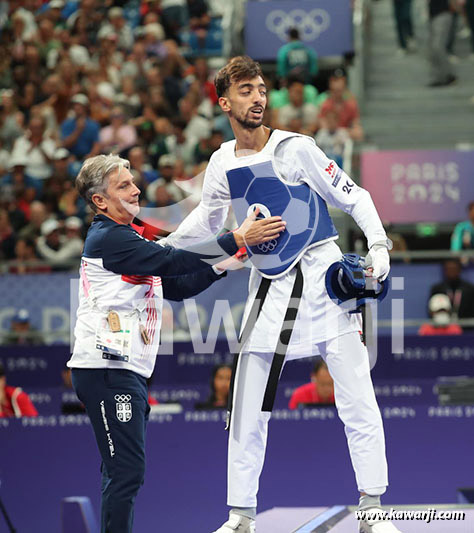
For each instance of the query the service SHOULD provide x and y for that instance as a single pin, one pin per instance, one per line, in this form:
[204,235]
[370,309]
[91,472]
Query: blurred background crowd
[135,77]
[85,77]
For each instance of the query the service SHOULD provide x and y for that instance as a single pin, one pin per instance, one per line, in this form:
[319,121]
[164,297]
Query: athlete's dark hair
[237,69]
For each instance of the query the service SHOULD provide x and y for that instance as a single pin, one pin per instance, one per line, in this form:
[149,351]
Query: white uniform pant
[348,363]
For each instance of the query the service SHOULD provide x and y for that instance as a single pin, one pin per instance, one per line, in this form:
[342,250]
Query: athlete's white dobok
[296,159]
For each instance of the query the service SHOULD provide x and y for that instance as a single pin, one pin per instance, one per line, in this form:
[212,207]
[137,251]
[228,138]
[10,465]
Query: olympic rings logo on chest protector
[268,246]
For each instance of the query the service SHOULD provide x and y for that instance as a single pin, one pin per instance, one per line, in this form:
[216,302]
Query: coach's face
[120,202]
[245,102]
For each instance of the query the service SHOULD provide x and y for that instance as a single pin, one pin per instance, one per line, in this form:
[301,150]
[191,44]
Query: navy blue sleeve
[180,287]
[126,252]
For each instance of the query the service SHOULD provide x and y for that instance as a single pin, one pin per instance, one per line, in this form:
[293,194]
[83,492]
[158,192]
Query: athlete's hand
[253,231]
[377,262]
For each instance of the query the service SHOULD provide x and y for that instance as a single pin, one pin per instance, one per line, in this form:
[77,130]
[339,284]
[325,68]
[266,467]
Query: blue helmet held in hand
[346,280]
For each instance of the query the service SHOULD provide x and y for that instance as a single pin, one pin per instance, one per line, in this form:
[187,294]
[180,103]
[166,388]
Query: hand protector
[378,261]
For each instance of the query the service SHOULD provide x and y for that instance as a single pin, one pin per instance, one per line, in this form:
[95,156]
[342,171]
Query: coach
[123,281]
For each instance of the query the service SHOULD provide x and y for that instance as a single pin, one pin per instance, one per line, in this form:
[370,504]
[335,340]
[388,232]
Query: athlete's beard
[248,123]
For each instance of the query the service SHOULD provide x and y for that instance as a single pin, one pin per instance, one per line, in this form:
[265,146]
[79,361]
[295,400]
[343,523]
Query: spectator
[205,86]
[463,234]
[220,385]
[176,141]
[198,126]
[279,98]
[297,115]
[54,103]
[296,59]
[54,13]
[118,25]
[38,215]
[166,166]
[154,37]
[157,146]
[36,148]
[344,104]
[14,402]
[24,186]
[199,19]
[47,40]
[7,236]
[26,261]
[319,391]
[439,306]
[207,146]
[141,170]
[62,252]
[460,292]
[80,135]
[22,332]
[174,14]
[128,98]
[332,139]
[168,213]
[118,136]
[61,164]
[11,119]
[102,97]
[403,19]
[440,20]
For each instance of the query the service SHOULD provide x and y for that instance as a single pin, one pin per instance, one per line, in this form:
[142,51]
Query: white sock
[249,512]
[367,501]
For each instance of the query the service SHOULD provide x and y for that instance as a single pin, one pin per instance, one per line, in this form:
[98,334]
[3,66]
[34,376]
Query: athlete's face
[120,201]
[245,102]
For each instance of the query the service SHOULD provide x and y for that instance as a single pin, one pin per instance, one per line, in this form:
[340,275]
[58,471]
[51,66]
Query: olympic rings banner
[419,185]
[324,25]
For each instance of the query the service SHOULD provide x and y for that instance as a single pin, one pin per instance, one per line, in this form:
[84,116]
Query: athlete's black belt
[283,341]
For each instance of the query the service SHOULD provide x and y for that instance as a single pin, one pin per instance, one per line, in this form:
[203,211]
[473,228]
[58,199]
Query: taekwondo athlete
[285,173]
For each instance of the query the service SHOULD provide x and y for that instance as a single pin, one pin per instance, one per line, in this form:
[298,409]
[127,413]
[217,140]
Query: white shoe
[374,526]
[238,524]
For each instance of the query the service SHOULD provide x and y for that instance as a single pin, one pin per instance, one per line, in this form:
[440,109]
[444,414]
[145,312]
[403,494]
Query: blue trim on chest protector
[304,211]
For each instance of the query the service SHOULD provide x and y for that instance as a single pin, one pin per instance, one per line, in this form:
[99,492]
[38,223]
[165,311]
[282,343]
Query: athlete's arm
[208,218]
[338,189]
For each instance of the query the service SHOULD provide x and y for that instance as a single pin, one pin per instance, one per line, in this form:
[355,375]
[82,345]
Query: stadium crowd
[79,78]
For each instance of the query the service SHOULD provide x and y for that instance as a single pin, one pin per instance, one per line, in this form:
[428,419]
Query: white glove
[378,261]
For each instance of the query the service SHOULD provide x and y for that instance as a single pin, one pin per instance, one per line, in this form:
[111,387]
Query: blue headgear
[345,280]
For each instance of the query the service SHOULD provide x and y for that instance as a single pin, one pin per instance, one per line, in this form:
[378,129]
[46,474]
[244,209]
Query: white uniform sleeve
[335,186]
[208,217]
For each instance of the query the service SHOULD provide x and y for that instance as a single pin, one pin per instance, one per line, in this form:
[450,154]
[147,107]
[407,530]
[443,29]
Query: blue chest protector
[306,214]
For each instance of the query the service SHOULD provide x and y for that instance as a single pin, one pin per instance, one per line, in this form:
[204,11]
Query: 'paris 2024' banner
[413,186]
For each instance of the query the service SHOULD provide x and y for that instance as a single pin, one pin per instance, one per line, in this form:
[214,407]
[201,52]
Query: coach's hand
[236,262]
[253,231]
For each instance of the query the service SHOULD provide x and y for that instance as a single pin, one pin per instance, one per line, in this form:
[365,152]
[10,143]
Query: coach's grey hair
[93,176]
